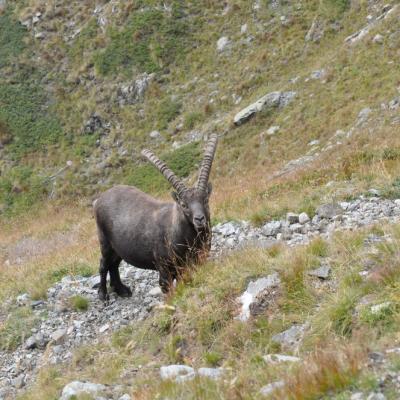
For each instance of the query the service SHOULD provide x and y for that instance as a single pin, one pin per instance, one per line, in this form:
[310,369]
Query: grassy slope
[199,329]
[357,77]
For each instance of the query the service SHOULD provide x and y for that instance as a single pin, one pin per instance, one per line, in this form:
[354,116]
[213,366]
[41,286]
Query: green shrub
[166,112]
[17,328]
[212,358]
[192,118]
[20,188]
[151,40]
[79,303]
[12,34]
[182,161]
[23,111]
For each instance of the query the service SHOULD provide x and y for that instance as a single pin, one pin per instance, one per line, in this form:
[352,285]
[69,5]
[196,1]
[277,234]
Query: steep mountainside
[305,97]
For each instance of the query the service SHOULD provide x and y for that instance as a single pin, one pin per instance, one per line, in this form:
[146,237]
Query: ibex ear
[175,196]
[209,188]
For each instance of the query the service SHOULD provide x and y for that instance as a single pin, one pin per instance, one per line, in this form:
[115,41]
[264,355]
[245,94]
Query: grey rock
[329,211]
[374,192]
[316,31]
[77,388]
[321,272]
[363,116]
[271,228]
[23,299]
[271,387]
[134,92]
[270,100]
[279,358]
[394,104]
[318,74]
[292,218]
[19,381]
[40,35]
[211,373]
[95,124]
[376,396]
[272,130]
[58,336]
[223,43]
[291,337]
[296,228]
[378,38]
[303,218]
[155,135]
[254,288]
[179,373]
[156,291]
[357,396]
[125,397]
[36,341]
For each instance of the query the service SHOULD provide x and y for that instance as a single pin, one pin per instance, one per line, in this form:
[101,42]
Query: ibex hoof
[103,296]
[123,291]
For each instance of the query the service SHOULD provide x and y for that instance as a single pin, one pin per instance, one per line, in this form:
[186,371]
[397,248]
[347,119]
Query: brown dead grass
[324,371]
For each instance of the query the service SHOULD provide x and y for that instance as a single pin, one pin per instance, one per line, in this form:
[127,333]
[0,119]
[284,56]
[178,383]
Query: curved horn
[168,174]
[207,161]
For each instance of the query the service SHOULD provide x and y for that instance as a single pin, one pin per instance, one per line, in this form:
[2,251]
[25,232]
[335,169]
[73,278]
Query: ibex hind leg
[115,280]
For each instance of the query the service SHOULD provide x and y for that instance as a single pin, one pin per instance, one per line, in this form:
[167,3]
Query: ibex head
[192,201]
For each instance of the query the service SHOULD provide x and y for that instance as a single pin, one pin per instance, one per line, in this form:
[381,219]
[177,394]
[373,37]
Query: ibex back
[153,234]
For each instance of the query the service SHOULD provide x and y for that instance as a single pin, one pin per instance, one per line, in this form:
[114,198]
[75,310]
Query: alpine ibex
[153,234]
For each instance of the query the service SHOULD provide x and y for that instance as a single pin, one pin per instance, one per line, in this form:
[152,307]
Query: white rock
[273,99]
[104,328]
[357,396]
[376,309]
[211,373]
[278,358]
[125,397]
[304,218]
[156,291]
[179,373]
[272,130]
[377,39]
[243,29]
[155,135]
[397,202]
[271,387]
[223,43]
[253,289]
[376,396]
[313,142]
[77,388]
[271,228]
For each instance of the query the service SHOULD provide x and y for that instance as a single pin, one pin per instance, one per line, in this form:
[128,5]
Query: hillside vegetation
[86,85]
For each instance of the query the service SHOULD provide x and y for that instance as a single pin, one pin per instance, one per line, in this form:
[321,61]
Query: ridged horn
[168,174]
[207,162]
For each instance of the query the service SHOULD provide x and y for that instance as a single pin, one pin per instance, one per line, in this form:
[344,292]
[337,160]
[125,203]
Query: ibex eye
[184,205]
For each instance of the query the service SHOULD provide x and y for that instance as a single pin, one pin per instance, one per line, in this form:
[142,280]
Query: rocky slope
[61,328]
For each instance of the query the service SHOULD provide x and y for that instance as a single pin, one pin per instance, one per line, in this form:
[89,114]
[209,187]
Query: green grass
[20,189]
[17,328]
[24,111]
[12,36]
[151,40]
[182,161]
[79,303]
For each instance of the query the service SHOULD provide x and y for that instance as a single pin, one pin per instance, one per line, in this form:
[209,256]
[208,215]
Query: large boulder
[270,100]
